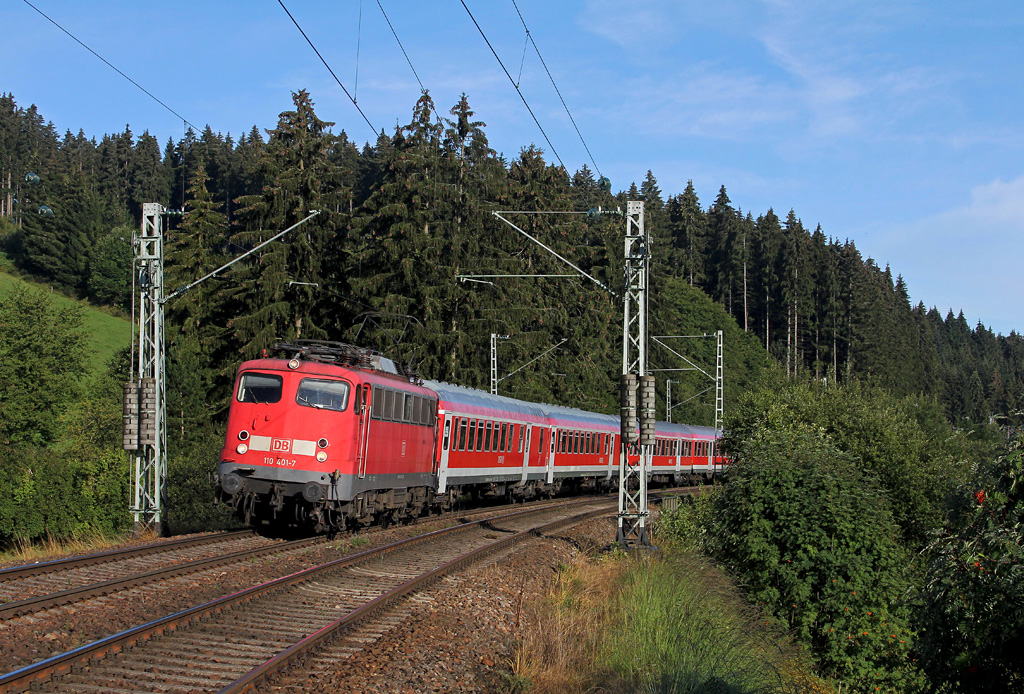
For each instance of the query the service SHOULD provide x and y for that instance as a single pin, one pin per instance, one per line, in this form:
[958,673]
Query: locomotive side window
[259,388]
[409,400]
[389,404]
[323,395]
[377,406]
[462,435]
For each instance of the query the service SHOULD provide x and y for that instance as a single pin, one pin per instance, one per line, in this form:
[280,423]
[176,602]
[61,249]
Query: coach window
[323,395]
[487,438]
[522,436]
[447,429]
[259,388]
[472,434]
[480,436]
[561,442]
[504,433]
[462,435]
[540,442]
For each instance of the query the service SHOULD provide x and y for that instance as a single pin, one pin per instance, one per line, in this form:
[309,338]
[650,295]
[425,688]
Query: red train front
[298,451]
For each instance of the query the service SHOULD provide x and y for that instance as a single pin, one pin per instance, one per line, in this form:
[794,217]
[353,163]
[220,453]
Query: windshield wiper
[310,404]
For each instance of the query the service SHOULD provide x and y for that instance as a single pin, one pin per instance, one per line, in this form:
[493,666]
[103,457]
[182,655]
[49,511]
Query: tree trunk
[745,314]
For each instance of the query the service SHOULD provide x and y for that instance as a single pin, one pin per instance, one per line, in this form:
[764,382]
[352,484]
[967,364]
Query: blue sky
[897,124]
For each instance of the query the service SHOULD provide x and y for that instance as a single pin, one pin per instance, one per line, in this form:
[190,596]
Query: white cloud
[968,257]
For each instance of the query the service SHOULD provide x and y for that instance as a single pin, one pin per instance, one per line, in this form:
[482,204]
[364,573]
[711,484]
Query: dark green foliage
[190,466]
[110,268]
[813,538]
[41,362]
[971,610]
[78,484]
[904,443]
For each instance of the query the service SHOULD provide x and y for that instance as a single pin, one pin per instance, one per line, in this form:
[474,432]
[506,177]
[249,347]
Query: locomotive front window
[323,395]
[259,388]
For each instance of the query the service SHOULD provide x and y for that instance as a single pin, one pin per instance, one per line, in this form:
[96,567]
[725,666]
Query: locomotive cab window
[259,388]
[323,395]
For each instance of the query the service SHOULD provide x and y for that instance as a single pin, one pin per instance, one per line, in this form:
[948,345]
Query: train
[330,436]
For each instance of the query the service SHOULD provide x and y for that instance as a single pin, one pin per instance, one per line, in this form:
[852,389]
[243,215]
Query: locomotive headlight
[243,435]
[322,443]
[293,364]
[241,448]
[321,456]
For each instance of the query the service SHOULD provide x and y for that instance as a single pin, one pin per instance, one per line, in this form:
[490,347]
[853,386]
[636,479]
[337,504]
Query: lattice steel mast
[633,513]
[145,413]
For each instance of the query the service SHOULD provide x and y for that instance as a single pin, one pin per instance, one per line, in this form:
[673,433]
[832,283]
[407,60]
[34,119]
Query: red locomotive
[335,437]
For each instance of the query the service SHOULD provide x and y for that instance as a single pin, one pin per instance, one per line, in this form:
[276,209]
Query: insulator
[647,411]
[604,183]
[45,211]
[32,178]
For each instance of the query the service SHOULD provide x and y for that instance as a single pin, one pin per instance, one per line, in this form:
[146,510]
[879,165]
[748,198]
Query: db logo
[281,445]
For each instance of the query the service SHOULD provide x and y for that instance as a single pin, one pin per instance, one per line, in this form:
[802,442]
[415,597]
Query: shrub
[971,609]
[812,537]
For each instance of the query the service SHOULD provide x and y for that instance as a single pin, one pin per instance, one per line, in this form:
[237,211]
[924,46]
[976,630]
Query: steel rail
[262,673]
[43,602]
[44,670]
[27,570]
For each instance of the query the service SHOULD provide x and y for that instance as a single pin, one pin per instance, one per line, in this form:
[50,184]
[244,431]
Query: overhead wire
[111,66]
[395,34]
[529,37]
[514,85]
[322,60]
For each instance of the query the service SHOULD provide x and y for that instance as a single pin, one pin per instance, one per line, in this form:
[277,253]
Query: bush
[906,444]
[812,537]
[190,498]
[971,610]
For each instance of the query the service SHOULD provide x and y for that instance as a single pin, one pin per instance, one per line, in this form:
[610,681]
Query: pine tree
[282,291]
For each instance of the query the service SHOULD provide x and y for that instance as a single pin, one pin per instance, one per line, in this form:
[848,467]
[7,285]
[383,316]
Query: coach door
[528,429]
[363,404]
[442,460]
[550,477]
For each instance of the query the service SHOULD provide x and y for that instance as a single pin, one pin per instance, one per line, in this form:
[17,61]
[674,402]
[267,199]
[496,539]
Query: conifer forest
[846,402]
[405,216]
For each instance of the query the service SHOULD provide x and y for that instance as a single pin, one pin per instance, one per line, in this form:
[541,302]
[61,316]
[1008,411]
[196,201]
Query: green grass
[107,333]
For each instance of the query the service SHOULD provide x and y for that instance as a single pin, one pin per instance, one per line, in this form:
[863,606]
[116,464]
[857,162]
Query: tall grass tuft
[666,622]
[678,628]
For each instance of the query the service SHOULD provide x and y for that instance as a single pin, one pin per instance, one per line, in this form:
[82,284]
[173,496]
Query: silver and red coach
[335,436]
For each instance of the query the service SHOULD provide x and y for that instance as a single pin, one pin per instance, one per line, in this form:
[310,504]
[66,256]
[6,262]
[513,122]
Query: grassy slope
[107,333]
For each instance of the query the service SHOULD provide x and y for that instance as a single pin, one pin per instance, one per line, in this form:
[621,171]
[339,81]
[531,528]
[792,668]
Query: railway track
[34,587]
[236,642]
